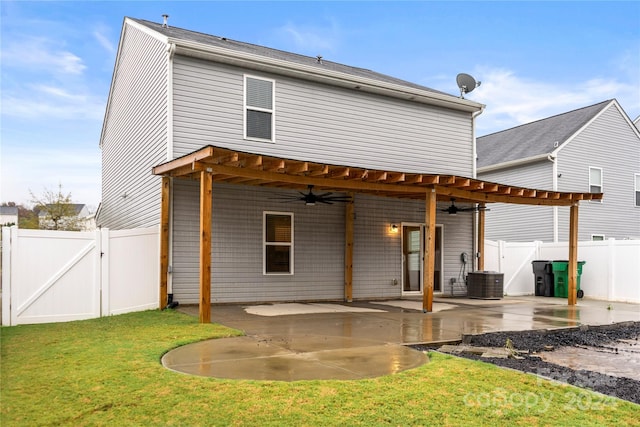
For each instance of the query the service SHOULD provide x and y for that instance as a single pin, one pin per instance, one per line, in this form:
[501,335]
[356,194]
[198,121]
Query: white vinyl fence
[611,270]
[58,276]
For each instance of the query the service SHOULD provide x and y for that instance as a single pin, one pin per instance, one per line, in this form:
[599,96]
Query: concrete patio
[304,341]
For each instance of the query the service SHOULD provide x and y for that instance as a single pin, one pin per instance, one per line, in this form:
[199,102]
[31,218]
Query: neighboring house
[8,215]
[592,149]
[238,132]
[82,220]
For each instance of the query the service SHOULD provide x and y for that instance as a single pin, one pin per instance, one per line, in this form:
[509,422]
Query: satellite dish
[466,83]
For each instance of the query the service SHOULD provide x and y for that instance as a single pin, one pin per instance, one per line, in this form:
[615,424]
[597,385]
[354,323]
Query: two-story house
[592,149]
[281,177]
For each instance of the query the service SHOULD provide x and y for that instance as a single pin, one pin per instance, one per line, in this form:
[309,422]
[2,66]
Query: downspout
[474,233]
[171,50]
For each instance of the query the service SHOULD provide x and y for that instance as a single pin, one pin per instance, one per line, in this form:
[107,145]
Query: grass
[107,372]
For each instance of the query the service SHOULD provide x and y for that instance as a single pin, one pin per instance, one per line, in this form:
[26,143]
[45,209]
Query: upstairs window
[595,180]
[259,108]
[278,243]
[637,176]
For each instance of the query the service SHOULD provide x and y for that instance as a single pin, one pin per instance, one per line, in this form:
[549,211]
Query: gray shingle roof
[534,138]
[223,42]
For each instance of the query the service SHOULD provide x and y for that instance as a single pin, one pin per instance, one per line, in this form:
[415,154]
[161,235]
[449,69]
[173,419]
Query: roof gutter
[517,162]
[278,66]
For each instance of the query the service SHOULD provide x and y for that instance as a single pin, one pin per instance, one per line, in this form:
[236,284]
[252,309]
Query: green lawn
[107,372]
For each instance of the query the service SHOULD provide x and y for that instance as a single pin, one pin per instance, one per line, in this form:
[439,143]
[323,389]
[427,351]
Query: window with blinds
[278,243]
[595,181]
[259,108]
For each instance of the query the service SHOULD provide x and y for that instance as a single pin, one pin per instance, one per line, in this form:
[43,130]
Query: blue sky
[535,59]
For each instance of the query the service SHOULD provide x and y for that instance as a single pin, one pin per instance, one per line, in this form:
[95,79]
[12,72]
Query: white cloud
[57,106]
[38,53]
[512,100]
[36,168]
[104,40]
[312,39]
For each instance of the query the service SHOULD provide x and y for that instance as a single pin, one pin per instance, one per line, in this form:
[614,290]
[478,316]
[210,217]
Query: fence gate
[58,276]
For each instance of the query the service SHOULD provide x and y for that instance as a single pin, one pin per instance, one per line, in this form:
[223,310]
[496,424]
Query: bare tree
[56,210]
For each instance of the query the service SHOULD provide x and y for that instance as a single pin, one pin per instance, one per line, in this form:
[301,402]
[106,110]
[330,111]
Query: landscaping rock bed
[526,347]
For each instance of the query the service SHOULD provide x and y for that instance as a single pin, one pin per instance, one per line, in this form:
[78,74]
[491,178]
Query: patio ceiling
[238,167]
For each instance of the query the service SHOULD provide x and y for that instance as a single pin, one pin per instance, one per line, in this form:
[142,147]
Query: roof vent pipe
[165,18]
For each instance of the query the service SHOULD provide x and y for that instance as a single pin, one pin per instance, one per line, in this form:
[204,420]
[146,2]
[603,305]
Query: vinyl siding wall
[608,143]
[319,123]
[521,222]
[318,246]
[135,137]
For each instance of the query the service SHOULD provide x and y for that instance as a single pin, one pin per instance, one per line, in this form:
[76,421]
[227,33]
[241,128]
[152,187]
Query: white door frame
[440,261]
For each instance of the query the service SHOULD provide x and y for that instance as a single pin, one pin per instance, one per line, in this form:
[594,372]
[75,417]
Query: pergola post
[481,220]
[429,251]
[164,241]
[348,251]
[573,255]
[206,184]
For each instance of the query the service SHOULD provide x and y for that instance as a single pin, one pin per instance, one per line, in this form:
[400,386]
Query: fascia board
[514,163]
[278,66]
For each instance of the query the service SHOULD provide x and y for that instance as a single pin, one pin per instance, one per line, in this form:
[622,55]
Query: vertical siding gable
[135,133]
[320,123]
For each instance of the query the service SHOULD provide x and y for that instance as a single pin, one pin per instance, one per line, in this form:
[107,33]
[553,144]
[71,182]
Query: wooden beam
[481,219]
[395,177]
[339,172]
[251,162]
[338,184]
[573,255]
[348,251]
[206,185]
[203,153]
[297,167]
[164,241]
[429,250]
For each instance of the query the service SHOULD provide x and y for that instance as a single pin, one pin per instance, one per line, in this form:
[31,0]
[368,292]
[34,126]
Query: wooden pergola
[211,164]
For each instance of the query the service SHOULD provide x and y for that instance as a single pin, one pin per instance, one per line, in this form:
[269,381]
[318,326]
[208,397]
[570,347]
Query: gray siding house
[592,149]
[219,142]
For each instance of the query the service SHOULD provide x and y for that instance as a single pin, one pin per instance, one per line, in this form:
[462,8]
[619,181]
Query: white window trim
[598,235]
[266,110]
[636,184]
[601,185]
[264,244]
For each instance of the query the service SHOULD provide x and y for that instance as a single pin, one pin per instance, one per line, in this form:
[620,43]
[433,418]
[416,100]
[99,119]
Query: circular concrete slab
[292,358]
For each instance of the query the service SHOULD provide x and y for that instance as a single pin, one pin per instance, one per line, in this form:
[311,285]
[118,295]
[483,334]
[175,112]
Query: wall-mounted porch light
[393,228]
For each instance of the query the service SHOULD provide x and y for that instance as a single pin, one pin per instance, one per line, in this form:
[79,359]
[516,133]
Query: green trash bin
[561,278]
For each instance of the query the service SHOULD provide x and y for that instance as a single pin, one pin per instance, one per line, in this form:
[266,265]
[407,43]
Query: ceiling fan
[453,209]
[310,198]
